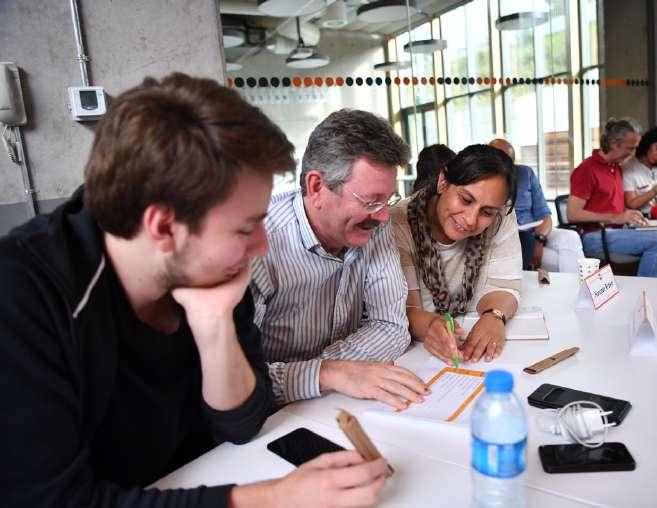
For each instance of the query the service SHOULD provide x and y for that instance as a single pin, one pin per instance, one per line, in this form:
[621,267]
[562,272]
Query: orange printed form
[452,392]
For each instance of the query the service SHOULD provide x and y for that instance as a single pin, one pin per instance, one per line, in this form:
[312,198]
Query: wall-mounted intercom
[12,108]
[87,102]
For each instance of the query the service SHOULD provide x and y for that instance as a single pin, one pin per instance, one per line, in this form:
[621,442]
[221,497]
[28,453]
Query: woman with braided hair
[459,250]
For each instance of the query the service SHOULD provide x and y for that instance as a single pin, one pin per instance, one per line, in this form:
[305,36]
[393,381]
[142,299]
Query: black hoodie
[95,405]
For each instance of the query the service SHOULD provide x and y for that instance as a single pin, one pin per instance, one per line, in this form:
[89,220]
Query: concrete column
[626,56]
[126,41]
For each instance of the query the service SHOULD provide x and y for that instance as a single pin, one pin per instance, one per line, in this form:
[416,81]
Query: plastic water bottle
[499,444]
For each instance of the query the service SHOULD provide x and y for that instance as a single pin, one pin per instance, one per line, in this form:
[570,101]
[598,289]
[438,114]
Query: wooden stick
[550,361]
[355,433]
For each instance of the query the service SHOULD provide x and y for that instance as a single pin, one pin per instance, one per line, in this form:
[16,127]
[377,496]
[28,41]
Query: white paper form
[452,392]
[449,392]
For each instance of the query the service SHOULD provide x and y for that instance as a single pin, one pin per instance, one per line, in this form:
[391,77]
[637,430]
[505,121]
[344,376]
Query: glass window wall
[534,86]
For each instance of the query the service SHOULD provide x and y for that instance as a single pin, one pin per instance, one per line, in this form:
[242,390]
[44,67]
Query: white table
[432,460]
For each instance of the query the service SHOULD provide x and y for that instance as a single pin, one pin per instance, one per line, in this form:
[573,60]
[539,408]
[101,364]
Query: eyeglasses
[372,207]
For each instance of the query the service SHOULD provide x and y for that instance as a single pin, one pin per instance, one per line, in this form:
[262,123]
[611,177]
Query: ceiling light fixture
[233,37]
[521,20]
[309,32]
[280,45]
[385,11]
[392,66]
[425,46]
[305,57]
[336,15]
[233,66]
[301,52]
[312,62]
[287,8]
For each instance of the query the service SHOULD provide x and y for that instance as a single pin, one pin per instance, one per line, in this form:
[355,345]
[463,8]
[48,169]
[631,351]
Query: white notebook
[529,225]
[652,224]
[527,324]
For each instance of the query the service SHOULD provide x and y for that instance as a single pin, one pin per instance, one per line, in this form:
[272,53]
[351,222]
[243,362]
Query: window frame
[577,123]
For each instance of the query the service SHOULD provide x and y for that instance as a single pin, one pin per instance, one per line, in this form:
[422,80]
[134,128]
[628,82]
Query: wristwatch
[540,238]
[497,313]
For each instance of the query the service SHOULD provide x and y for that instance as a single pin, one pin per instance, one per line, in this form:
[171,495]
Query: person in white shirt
[640,175]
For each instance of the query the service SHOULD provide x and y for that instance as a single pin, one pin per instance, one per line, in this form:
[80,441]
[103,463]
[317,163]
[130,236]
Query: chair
[621,264]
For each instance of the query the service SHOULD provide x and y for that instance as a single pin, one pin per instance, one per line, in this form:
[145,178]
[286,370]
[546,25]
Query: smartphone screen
[575,458]
[302,445]
[552,396]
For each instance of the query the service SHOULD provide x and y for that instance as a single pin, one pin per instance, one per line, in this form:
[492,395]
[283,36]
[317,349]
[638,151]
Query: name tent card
[597,289]
[643,332]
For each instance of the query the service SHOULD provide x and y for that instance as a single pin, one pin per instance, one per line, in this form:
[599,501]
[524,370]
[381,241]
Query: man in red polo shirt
[596,194]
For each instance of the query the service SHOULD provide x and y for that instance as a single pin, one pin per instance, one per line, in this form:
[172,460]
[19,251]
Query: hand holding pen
[440,340]
[451,327]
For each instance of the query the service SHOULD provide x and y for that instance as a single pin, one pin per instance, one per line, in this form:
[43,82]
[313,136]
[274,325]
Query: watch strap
[541,238]
[497,313]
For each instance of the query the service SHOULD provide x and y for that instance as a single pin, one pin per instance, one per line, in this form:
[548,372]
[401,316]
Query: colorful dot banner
[340,81]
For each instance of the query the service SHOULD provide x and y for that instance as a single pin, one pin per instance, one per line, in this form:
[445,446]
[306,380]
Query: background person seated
[459,250]
[639,178]
[553,249]
[430,162]
[596,194]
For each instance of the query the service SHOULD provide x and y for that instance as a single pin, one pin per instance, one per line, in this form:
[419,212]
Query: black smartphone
[555,397]
[575,458]
[302,445]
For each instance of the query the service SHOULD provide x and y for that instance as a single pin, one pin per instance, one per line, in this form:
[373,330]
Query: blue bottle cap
[498,381]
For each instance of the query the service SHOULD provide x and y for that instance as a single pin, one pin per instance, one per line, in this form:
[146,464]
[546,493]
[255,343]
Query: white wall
[626,56]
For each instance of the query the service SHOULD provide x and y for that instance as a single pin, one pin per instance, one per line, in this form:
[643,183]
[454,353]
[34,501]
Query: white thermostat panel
[87,102]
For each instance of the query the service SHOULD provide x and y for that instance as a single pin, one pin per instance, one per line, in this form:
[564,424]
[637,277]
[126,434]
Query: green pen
[450,322]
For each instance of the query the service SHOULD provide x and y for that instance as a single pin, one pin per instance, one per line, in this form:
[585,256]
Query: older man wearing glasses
[330,295]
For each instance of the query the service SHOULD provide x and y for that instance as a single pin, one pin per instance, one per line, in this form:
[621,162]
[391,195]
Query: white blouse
[501,269]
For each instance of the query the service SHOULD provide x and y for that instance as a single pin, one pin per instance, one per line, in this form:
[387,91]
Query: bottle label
[499,460]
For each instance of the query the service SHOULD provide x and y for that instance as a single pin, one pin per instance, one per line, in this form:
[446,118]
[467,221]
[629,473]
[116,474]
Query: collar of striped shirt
[308,236]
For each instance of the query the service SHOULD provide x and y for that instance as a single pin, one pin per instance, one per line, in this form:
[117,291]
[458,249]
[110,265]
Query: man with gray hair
[330,295]
[596,195]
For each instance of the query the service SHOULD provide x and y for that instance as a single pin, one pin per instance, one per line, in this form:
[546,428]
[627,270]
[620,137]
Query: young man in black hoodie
[127,344]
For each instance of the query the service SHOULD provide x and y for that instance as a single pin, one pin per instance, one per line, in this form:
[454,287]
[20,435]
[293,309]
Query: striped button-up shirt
[313,306]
